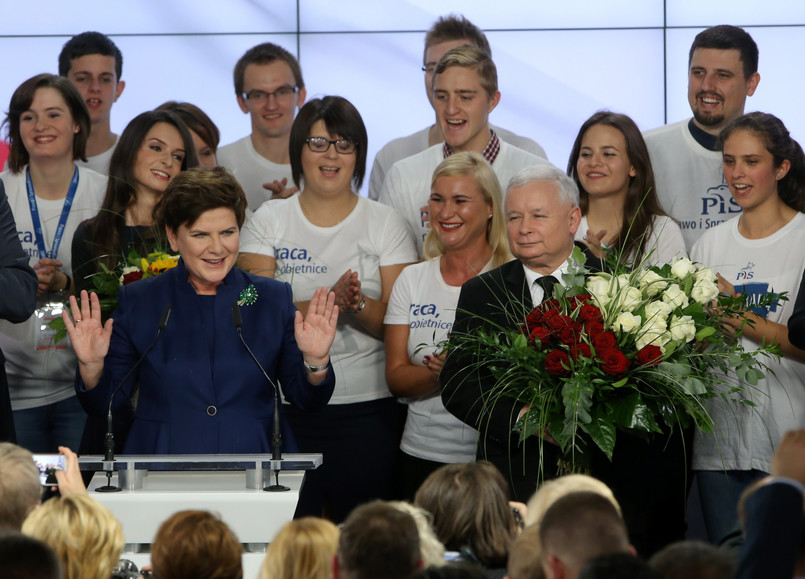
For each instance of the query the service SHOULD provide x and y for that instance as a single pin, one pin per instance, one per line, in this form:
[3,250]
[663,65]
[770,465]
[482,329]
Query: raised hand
[595,241]
[88,335]
[314,335]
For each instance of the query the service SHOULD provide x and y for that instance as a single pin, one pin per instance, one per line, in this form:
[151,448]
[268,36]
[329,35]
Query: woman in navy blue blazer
[199,390]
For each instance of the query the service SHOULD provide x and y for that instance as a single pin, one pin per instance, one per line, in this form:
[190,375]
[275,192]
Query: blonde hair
[549,492]
[303,549]
[85,535]
[472,164]
[431,549]
[19,484]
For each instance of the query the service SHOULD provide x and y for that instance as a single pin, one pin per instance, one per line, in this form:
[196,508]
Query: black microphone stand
[276,438]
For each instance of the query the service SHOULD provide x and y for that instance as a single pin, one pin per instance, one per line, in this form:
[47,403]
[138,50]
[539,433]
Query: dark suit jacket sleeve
[83,259]
[773,525]
[466,385]
[17,279]
[796,323]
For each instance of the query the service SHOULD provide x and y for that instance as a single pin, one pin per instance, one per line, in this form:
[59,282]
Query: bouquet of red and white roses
[631,350]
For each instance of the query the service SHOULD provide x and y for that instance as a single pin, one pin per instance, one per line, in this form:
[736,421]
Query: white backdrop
[558,62]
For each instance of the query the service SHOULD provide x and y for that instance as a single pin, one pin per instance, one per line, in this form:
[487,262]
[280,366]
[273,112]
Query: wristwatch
[361,305]
[314,369]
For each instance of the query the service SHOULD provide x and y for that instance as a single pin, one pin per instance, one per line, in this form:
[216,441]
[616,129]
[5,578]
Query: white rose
[675,297]
[682,328]
[627,323]
[653,339]
[652,283]
[658,310]
[682,267]
[599,288]
[704,291]
[629,298]
[705,274]
[126,271]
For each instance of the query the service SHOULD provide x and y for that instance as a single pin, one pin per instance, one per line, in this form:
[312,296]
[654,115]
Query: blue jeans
[44,428]
[720,491]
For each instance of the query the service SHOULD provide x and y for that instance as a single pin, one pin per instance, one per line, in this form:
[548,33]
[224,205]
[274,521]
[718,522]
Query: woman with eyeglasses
[329,235]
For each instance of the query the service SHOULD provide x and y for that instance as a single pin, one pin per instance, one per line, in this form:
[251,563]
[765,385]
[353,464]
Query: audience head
[23,557]
[85,535]
[551,490]
[722,72]
[94,64]
[195,545]
[341,120]
[20,491]
[470,509]
[268,79]
[693,560]
[377,542]
[303,549]
[576,528]
[484,184]
[204,132]
[45,92]
[778,159]
[618,566]
[447,33]
[524,556]
[431,549]
[451,570]
[613,141]
[542,215]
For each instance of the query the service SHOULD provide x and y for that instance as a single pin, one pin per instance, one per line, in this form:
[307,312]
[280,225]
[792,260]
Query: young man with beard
[269,88]
[722,72]
[94,64]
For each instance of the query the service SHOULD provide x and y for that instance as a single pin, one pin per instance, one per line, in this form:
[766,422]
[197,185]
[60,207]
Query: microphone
[109,441]
[276,440]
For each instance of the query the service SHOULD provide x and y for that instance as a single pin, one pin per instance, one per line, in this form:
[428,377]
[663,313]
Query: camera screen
[48,464]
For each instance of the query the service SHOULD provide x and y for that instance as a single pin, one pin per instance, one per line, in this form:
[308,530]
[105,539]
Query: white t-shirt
[309,257]
[402,147]
[423,301]
[251,170]
[407,185]
[39,371]
[745,438]
[100,163]
[665,239]
[690,180]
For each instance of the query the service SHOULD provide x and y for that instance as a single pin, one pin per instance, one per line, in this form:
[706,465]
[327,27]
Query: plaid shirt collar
[490,153]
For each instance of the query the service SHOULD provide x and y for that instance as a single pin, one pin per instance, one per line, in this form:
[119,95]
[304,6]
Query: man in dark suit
[542,216]
[647,475]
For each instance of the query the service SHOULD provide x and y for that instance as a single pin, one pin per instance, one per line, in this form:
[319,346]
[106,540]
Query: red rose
[594,328]
[614,362]
[604,341]
[552,304]
[584,298]
[589,313]
[559,322]
[557,363]
[132,276]
[534,318]
[649,356]
[581,350]
[541,333]
[570,334]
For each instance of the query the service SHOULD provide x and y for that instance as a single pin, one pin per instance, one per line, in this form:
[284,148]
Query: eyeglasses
[429,68]
[322,145]
[283,93]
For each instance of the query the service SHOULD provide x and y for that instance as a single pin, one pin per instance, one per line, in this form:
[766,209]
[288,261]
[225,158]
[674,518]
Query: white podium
[155,487]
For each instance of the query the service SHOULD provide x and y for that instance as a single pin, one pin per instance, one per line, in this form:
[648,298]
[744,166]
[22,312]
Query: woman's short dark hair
[777,140]
[642,203]
[470,508]
[342,119]
[196,191]
[21,101]
[196,120]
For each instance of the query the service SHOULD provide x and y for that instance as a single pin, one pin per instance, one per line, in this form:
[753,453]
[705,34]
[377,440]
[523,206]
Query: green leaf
[520,341]
[705,332]
[602,431]
[621,382]
[694,386]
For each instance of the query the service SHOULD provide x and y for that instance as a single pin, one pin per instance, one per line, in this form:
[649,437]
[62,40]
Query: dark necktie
[546,283]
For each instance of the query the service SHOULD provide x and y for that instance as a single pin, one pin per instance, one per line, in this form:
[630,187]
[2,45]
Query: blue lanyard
[65,213]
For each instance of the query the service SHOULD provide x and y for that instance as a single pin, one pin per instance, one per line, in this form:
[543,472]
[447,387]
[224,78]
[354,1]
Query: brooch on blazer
[248,296]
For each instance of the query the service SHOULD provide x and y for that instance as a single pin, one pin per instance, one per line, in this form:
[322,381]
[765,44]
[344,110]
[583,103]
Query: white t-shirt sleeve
[258,233]
[397,244]
[400,300]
